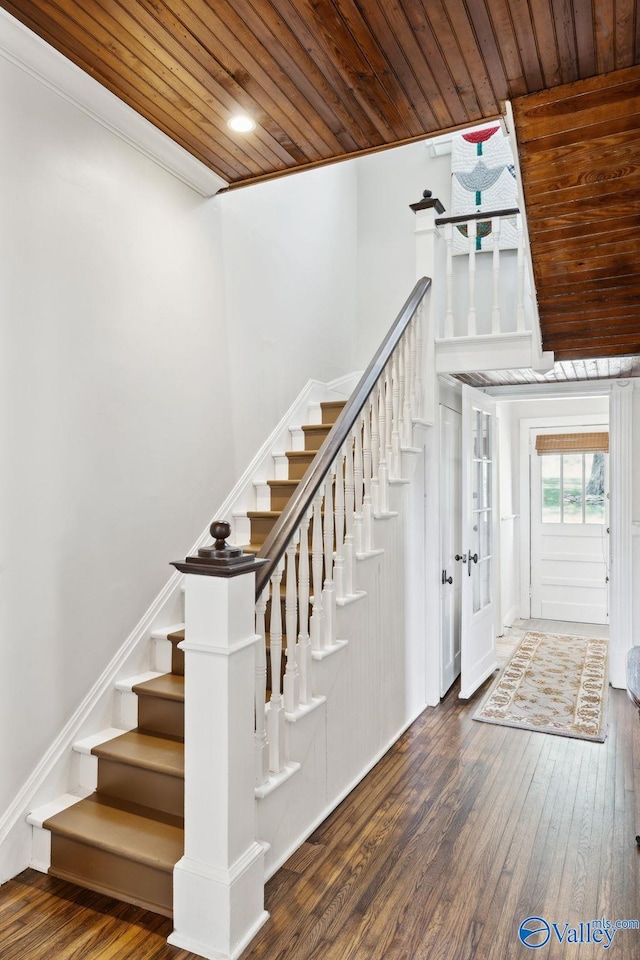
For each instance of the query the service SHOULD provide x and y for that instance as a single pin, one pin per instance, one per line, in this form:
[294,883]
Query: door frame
[456,503]
[526,451]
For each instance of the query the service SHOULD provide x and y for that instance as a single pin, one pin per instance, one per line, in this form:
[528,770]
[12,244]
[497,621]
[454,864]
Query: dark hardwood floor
[461,832]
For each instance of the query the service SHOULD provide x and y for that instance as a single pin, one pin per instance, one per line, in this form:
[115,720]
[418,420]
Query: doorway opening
[546,534]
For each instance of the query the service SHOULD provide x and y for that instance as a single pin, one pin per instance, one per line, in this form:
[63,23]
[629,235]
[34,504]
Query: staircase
[343,539]
[125,838]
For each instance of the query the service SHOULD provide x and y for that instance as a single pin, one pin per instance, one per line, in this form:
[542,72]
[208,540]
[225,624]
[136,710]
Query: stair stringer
[374,685]
[56,773]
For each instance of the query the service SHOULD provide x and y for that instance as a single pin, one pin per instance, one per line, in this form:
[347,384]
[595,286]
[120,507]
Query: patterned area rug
[553,683]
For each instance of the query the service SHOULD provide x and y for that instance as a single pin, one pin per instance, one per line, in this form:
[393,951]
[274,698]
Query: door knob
[474,557]
[461,556]
[445,578]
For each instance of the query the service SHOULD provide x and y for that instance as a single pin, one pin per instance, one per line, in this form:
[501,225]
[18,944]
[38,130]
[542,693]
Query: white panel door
[479,531]
[450,545]
[569,537]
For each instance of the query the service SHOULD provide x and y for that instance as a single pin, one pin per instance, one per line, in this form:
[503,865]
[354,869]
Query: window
[573,487]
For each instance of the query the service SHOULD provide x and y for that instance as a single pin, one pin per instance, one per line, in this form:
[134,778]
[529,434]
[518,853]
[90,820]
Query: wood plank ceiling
[579,150]
[328,79]
[325,79]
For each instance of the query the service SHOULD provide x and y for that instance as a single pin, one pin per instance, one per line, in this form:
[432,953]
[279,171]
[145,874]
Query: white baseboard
[511,616]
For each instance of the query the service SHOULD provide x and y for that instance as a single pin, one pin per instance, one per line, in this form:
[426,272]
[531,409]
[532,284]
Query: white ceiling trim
[26,50]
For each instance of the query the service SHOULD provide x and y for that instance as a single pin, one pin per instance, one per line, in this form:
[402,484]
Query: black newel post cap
[428,201]
[220,550]
[219,559]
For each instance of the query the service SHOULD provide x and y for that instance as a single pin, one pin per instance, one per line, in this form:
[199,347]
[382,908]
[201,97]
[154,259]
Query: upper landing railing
[486,293]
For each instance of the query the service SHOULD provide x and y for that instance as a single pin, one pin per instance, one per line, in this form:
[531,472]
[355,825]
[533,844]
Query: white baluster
[349,487]
[472,230]
[304,643]
[358,481]
[275,716]
[317,617]
[382,468]
[408,378]
[262,744]
[496,223]
[413,381]
[419,358]
[367,463]
[338,569]
[396,462]
[448,316]
[375,452]
[405,412]
[520,319]
[329,589]
[388,421]
[291,676]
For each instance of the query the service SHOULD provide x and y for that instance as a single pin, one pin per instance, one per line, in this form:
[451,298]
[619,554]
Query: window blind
[572,443]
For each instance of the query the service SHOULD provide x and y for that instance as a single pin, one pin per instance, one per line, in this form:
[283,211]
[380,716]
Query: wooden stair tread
[170,686]
[121,832]
[145,750]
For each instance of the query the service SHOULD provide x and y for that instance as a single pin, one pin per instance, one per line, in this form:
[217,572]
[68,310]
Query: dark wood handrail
[291,517]
[511,212]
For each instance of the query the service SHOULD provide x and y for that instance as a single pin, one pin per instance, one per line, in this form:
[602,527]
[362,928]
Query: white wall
[135,387]
[116,440]
[635,514]
[543,409]
[291,284]
[509,518]
[388,183]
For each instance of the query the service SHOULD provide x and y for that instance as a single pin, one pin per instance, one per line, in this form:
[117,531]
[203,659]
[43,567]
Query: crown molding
[30,53]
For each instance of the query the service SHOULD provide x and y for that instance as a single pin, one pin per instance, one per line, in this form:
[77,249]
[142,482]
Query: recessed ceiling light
[241,123]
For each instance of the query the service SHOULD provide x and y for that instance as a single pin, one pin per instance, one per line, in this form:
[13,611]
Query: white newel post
[219,882]
[427,265]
